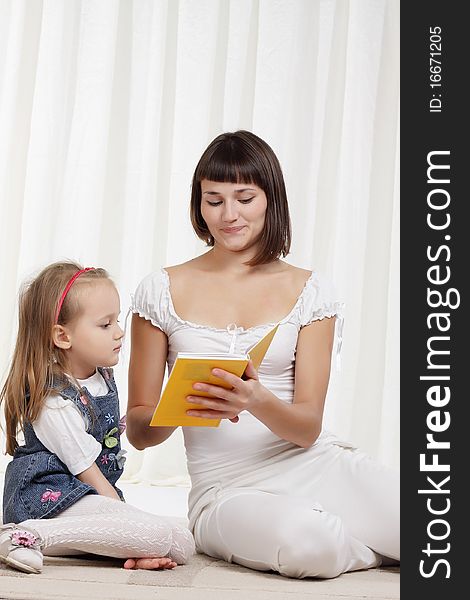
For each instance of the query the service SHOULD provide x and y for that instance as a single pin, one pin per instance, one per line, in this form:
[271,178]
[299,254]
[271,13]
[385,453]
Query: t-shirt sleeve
[151,299]
[62,430]
[320,300]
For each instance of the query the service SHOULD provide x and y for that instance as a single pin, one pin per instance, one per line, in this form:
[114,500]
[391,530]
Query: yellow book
[190,368]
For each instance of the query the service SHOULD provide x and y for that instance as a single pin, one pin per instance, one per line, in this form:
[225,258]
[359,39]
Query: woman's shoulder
[180,276]
[179,271]
[157,276]
[189,267]
[297,273]
[294,277]
[314,277]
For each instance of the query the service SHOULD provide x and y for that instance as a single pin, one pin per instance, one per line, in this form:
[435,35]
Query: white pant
[349,520]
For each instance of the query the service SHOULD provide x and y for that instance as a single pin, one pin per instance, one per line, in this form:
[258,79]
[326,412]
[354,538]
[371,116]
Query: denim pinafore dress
[38,485]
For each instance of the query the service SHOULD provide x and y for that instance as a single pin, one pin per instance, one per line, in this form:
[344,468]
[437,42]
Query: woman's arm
[299,422]
[149,347]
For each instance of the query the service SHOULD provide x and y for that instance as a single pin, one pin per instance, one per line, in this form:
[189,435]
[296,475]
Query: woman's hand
[227,403]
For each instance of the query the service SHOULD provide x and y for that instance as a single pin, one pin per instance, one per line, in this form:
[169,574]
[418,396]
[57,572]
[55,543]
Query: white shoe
[20,548]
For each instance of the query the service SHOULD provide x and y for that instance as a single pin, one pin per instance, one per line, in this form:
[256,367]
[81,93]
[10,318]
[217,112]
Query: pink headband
[66,291]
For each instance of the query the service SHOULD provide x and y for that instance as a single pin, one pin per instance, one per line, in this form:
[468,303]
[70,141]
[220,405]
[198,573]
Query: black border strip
[434,255]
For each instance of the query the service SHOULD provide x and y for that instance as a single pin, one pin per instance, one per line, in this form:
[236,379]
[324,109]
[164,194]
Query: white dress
[235,466]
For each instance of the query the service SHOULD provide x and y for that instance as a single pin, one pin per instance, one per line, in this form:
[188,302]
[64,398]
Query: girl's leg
[282,533]
[100,525]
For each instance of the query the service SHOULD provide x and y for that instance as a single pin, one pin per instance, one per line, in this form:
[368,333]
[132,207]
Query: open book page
[259,350]
[191,368]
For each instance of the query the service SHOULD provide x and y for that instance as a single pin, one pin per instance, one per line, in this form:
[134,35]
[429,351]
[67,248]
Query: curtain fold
[105,109]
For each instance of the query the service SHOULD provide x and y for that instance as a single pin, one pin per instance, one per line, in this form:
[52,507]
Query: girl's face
[234,213]
[94,337]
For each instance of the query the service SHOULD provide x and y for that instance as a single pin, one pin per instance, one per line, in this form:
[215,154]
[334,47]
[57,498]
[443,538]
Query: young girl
[60,487]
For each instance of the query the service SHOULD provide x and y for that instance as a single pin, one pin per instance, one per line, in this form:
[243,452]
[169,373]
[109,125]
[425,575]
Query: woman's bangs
[227,168]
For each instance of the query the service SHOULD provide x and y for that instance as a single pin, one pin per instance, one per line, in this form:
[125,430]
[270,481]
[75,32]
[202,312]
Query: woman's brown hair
[243,157]
[37,363]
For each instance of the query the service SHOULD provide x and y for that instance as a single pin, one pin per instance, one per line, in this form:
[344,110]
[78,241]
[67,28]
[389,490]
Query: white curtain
[105,108]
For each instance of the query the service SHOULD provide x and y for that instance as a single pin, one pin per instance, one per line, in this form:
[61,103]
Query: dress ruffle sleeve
[150,299]
[320,300]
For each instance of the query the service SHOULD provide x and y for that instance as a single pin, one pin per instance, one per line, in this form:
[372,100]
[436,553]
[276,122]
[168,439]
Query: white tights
[101,525]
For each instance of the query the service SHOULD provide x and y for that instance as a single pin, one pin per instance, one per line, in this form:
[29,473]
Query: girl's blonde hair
[36,361]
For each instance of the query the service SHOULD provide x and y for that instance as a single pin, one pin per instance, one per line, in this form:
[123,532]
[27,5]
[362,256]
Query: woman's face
[234,213]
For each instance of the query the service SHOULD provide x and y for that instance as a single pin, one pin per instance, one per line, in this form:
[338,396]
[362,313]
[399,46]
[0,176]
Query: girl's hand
[150,563]
[227,403]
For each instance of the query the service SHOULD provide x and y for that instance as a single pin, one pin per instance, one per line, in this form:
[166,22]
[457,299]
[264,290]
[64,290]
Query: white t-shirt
[247,454]
[63,431]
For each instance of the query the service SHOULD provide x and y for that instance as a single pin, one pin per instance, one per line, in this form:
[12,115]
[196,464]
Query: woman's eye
[218,203]
[246,200]
[106,325]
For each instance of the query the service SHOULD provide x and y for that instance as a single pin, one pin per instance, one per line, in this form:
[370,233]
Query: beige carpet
[203,579]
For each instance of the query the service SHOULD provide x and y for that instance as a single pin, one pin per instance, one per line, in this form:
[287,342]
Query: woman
[270,489]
